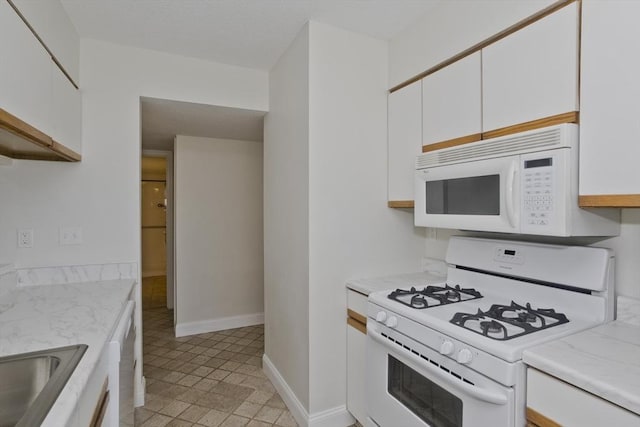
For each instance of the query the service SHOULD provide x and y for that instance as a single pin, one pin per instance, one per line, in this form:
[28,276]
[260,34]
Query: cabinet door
[557,401]
[532,73]
[451,102]
[610,90]
[25,73]
[66,111]
[404,139]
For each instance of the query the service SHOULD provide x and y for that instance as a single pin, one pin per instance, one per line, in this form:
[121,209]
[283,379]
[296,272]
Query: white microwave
[525,183]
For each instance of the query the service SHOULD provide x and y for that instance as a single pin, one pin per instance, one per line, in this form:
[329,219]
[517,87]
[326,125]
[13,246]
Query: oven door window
[433,404]
[477,195]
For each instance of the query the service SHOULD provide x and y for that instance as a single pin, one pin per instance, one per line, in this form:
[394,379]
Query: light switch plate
[70,235]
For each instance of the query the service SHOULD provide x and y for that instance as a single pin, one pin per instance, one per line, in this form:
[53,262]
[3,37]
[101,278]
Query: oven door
[478,195]
[410,385]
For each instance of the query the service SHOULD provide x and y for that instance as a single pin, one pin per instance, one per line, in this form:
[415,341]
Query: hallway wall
[219,237]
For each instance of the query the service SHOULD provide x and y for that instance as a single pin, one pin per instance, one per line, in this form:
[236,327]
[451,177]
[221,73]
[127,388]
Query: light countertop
[34,318]
[604,361]
[366,286]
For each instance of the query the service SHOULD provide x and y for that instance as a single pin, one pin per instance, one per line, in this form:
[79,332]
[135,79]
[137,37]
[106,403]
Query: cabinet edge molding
[452,142]
[570,117]
[540,420]
[609,201]
[399,204]
[361,327]
[478,46]
[31,143]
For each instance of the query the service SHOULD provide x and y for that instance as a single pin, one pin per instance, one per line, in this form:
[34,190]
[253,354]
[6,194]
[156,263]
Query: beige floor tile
[179,423]
[232,390]
[256,423]
[218,374]
[276,402]
[193,413]
[268,414]
[213,418]
[205,384]
[157,420]
[248,409]
[174,408]
[191,396]
[219,402]
[202,371]
[286,420]
[259,396]
[235,421]
[141,415]
[173,377]
[189,380]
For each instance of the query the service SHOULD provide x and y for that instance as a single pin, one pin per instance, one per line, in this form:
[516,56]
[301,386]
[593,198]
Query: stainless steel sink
[31,382]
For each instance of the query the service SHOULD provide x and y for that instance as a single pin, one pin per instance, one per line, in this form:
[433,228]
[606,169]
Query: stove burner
[432,296]
[504,322]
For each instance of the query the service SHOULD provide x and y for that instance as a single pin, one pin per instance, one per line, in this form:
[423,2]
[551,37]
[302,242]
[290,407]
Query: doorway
[157,283]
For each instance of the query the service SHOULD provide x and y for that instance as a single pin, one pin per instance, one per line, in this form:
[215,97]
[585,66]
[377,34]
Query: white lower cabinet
[356,344]
[552,402]
[93,402]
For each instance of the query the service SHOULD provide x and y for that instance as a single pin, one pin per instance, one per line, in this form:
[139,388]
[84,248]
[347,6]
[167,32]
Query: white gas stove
[449,354]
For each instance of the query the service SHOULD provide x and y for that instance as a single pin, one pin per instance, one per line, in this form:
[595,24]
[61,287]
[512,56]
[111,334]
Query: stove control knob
[391,322]
[465,356]
[381,316]
[446,348]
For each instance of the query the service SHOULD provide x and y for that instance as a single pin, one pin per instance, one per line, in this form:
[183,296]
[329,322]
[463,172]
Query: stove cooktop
[433,296]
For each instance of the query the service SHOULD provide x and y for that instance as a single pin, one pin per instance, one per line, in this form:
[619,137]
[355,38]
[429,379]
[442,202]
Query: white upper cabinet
[451,101]
[25,72]
[404,140]
[610,90]
[532,73]
[66,111]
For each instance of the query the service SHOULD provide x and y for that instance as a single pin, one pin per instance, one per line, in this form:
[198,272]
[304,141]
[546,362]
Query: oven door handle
[472,390]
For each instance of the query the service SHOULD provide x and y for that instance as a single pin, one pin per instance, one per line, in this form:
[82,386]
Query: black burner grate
[433,296]
[494,323]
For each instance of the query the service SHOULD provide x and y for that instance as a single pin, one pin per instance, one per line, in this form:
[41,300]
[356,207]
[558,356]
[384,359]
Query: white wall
[286,218]
[450,28]
[352,232]
[218,233]
[101,194]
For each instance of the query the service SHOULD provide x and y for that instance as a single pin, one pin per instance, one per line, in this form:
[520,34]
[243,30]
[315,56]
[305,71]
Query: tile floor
[213,379]
[154,292]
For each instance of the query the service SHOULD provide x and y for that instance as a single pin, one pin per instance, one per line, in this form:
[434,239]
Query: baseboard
[212,325]
[154,273]
[334,417]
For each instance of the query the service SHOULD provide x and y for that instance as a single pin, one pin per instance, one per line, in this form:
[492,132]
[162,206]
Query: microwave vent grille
[498,147]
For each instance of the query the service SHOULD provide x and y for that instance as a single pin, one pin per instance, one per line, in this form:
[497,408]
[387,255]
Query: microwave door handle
[472,390]
[510,199]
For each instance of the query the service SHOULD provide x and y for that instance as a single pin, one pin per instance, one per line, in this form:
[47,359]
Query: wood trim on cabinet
[452,142]
[478,46]
[400,203]
[357,316]
[33,31]
[65,152]
[570,117]
[20,140]
[539,420]
[357,325]
[101,407]
[609,201]
[11,123]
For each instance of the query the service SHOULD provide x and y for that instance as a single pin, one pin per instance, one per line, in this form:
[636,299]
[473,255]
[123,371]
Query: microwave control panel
[537,192]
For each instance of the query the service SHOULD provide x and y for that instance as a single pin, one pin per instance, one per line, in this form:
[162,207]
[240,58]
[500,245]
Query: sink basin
[31,383]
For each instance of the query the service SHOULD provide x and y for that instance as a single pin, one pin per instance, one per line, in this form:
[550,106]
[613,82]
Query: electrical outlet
[25,238]
[70,235]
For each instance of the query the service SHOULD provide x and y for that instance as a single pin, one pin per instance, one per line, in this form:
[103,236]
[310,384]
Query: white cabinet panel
[404,139]
[573,407]
[66,111]
[451,101]
[610,112]
[532,73]
[25,73]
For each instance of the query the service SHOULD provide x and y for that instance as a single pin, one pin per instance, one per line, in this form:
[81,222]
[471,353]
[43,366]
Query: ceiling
[249,33]
[163,119]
